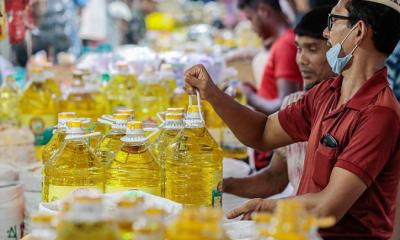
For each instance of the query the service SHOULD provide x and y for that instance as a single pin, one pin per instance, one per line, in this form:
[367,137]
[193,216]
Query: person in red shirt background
[351,123]
[281,75]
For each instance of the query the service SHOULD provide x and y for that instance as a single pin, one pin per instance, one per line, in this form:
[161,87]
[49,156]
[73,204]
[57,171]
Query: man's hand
[197,78]
[247,89]
[252,206]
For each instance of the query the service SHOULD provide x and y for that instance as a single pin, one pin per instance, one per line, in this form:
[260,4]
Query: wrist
[227,185]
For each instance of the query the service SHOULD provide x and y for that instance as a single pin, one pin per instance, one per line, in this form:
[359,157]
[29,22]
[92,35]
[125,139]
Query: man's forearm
[247,125]
[261,185]
[265,106]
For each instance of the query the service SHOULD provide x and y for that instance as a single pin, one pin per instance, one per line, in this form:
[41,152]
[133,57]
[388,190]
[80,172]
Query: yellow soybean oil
[151,98]
[86,220]
[193,168]
[79,99]
[198,224]
[58,135]
[213,123]
[179,98]
[128,212]
[120,89]
[38,108]
[50,80]
[169,130]
[111,142]
[134,167]
[73,166]
[168,79]
[231,146]
[9,103]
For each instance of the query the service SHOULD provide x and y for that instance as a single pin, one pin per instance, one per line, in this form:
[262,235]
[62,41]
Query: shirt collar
[367,91]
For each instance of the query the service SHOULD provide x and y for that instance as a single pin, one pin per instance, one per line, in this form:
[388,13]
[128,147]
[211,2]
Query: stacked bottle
[39,108]
[73,166]
[134,167]
[59,134]
[193,165]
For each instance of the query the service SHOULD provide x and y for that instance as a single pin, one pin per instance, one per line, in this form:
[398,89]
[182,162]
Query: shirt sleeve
[296,118]
[372,144]
[285,63]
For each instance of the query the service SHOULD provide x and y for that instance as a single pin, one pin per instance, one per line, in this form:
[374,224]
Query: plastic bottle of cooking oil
[134,167]
[58,135]
[111,142]
[230,145]
[39,108]
[43,227]
[290,221]
[193,168]
[120,90]
[214,123]
[9,102]
[49,78]
[128,212]
[168,79]
[92,86]
[79,99]
[73,166]
[86,220]
[179,98]
[151,98]
[169,130]
[151,226]
[197,224]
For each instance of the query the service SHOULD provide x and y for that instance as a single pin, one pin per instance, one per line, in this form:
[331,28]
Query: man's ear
[362,32]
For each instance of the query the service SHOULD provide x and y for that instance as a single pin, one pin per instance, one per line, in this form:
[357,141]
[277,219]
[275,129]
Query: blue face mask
[339,63]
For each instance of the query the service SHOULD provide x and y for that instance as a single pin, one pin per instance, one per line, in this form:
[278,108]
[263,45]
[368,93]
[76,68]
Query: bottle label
[216,198]
[60,192]
[41,126]
[229,140]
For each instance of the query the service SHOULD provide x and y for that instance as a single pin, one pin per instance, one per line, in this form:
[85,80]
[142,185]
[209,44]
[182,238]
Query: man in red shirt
[281,74]
[351,123]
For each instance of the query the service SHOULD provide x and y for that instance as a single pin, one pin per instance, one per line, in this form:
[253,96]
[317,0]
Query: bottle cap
[66,115]
[176,110]
[173,116]
[121,117]
[125,111]
[135,125]
[42,218]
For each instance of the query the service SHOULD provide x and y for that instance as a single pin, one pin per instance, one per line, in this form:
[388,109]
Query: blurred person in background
[287,163]
[281,75]
[137,25]
[60,26]
[35,41]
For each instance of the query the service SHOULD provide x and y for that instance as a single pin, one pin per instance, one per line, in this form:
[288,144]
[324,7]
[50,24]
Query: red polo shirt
[281,65]
[367,129]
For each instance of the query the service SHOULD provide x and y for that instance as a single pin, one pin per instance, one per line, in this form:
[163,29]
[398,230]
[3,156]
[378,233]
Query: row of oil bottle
[90,95]
[85,217]
[184,163]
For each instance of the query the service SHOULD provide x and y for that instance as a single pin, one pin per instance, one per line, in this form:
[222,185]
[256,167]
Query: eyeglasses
[333,17]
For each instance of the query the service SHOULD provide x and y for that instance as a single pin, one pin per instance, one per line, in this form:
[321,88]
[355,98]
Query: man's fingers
[237,212]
